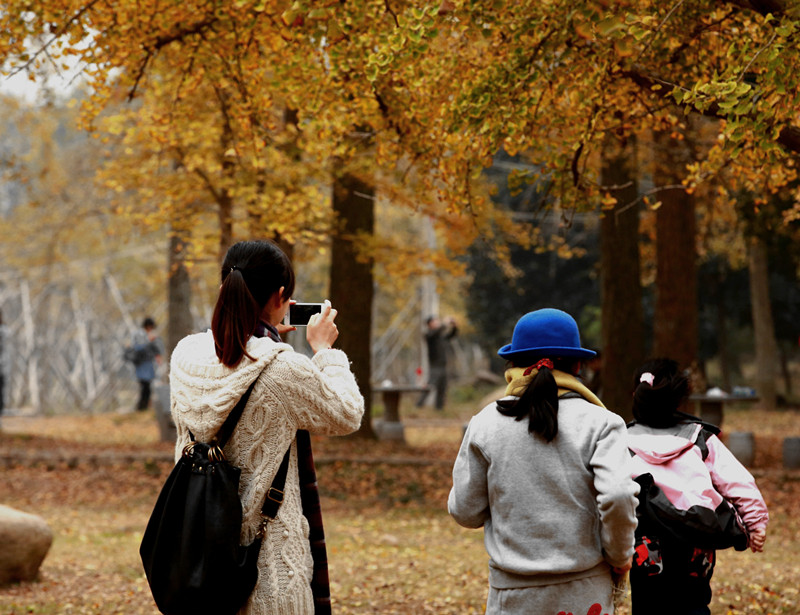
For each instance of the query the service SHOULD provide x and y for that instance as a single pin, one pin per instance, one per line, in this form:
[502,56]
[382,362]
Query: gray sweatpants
[588,596]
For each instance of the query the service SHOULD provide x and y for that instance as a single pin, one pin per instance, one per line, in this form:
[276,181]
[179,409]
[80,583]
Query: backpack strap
[712,429]
[704,433]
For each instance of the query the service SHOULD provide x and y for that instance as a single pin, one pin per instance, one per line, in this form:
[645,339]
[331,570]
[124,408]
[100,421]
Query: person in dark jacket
[437,339]
[150,350]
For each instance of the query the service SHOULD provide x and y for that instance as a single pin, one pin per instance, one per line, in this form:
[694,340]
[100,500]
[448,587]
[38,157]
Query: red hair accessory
[539,365]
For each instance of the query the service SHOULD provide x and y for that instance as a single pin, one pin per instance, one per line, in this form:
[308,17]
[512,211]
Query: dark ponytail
[660,388]
[251,273]
[539,402]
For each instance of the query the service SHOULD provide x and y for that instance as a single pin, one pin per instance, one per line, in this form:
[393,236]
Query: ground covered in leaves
[392,547]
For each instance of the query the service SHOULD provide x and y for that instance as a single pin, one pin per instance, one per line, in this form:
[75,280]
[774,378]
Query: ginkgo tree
[427,93]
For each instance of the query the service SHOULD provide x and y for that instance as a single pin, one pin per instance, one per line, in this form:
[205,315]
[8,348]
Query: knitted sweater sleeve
[616,492]
[321,394]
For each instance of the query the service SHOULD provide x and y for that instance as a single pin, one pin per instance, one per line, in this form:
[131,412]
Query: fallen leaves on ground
[392,547]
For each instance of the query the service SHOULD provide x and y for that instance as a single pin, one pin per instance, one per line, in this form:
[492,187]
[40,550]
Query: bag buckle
[276,495]
[268,513]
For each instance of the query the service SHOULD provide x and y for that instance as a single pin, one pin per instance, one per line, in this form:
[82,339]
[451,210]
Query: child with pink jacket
[695,497]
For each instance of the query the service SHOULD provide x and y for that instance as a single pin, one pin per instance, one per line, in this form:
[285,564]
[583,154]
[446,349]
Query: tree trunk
[620,285]
[675,320]
[179,294]
[351,289]
[785,371]
[722,335]
[225,217]
[763,327]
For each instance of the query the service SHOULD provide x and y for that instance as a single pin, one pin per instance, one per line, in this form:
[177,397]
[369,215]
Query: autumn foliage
[226,98]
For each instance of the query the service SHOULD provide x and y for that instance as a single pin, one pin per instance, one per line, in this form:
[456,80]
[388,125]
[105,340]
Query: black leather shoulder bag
[190,549]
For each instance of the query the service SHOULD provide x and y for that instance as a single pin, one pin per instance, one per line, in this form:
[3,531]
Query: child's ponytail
[539,402]
[660,388]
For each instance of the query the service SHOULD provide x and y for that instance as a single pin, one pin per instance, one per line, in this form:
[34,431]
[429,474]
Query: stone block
[25,540]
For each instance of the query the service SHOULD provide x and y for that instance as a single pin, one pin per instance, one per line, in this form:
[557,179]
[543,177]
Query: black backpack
[699,526]
[190,548]
[136,354]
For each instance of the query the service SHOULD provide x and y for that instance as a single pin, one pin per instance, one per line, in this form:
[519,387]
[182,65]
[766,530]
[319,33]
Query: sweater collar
[518,382]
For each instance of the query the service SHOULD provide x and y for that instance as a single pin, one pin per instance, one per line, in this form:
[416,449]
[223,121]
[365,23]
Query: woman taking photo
[292,395]
[545,472]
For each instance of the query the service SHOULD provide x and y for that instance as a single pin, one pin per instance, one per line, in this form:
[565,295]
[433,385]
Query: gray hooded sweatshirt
[551,512]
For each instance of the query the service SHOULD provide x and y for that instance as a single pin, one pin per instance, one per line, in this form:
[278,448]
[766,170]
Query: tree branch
[755,56]
[199,172]
[696,33]
[788,137]
[391,12]
[162,41]
[762,7]
[56,35]
[659,27]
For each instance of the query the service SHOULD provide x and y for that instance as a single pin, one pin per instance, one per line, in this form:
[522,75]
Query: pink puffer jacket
[694,468]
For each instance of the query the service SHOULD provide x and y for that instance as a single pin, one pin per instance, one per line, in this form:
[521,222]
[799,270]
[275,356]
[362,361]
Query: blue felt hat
[546,333]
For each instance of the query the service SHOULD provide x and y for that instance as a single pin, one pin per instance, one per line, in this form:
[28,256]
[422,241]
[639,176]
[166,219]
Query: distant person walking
[546,473]
[696,497]
[437,339]
[146,352]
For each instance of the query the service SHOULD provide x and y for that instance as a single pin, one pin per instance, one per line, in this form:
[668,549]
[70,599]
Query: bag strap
[274,497]
[229,425]
[225,432]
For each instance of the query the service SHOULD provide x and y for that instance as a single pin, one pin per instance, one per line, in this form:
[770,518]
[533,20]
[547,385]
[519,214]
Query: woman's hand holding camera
[322,332]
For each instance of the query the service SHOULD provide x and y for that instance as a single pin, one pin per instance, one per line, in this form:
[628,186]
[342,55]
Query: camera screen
[299,313]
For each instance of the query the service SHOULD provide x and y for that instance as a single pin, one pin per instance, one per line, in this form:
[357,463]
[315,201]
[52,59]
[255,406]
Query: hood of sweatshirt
[657,446]
[203,391]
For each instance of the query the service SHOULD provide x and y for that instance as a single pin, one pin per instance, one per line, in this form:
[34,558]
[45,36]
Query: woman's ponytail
[538,403]
[251,273]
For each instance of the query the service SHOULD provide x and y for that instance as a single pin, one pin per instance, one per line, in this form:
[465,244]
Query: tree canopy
[434,89]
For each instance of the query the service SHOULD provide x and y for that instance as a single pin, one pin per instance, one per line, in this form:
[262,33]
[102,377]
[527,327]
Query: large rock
[25,541]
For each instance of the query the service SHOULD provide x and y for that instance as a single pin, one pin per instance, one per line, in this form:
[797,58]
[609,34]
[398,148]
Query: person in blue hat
[545,471]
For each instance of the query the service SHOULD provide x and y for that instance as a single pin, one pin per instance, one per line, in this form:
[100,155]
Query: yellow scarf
[518,382]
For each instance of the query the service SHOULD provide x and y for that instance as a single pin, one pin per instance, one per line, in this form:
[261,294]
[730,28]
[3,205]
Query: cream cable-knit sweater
[293,392]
